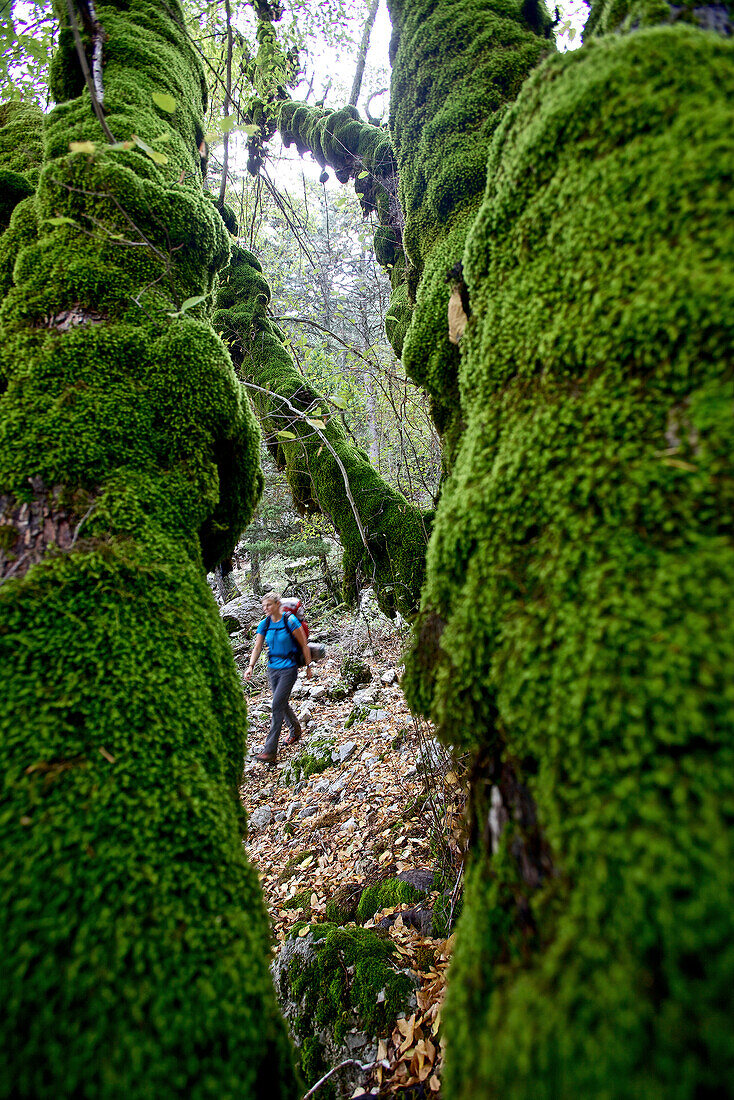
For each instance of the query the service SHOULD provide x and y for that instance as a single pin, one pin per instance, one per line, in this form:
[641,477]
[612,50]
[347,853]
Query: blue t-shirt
[282,649]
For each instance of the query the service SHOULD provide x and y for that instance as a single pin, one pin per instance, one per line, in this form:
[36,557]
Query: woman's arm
[300,637]
[256,651]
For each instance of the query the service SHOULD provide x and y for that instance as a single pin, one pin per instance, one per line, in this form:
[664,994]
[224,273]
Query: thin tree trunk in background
[362,55]
[255,579]
[369,394]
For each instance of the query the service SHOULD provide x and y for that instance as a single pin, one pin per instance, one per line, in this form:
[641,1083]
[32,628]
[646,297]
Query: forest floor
[391,803]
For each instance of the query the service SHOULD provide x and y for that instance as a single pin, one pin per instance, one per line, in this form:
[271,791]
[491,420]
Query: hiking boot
[294,736]
[266,757]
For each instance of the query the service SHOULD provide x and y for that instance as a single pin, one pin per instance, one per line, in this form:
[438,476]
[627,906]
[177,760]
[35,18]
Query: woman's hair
[274,597]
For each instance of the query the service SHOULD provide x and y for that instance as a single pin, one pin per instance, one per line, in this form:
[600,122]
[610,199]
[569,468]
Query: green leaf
[362,175]
[155,156]
[118,146]
[61,219]
[191,302]
[315,423]
[228,123]
[286,435]
[82,146]
[164,101]
[250,129]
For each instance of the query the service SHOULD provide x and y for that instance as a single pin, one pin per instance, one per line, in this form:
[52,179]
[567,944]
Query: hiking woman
[284,636]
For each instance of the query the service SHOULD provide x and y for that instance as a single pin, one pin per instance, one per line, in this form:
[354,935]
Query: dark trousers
[281,685]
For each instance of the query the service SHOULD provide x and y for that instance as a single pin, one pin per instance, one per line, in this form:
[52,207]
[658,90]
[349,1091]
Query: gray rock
[366,697]
[308,811]
[433,755]
[317,694]
[261,817]
[419,880]
[304,715]
[377,716]
[292,808]
[356,1040]
[339,784]
[280,816]
[322,787]
[343,752]
[242,613]
[389,676]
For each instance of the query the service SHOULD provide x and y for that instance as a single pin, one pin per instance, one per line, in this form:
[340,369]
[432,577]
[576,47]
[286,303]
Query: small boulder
[354,672]
[366,697]
[261,817]
[343,752]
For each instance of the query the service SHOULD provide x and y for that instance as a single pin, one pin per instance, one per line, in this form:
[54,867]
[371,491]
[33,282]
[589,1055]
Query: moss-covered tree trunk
[135,941]
[384,536]
[577,624]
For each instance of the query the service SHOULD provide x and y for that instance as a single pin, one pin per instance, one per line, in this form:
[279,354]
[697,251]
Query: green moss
[354,671]
[384,894]
[620,16]
[392,552]
[588,516]
[299,901]
[342,908]
[456,66]
[135,935]
[350,968]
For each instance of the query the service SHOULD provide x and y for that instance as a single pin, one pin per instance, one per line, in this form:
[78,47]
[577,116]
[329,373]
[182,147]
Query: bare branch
[303,416]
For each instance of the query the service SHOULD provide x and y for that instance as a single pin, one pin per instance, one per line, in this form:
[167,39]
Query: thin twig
[86,516]
[328,332]
[330,449]
[342,1065]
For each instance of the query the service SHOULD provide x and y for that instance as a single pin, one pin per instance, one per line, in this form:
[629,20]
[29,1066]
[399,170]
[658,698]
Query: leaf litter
[372,828]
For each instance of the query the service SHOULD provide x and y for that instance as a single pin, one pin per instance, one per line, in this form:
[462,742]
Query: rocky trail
[357,834]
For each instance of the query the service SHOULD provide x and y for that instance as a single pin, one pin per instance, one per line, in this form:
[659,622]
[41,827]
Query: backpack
[318,651]
[293,606]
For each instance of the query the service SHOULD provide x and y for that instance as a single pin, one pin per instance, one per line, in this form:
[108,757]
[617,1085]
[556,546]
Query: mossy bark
[389,549]
[135,938]
[577,627]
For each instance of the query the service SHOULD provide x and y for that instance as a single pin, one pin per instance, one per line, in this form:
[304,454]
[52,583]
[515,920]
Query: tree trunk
[136,943]
[577,615]
[364,46]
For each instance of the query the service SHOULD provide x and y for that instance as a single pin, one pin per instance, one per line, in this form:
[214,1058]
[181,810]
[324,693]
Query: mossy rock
[358,713]
[312,761]
[354,671]
[342,907]
[335,980]
[338,692]
[301,900]
[392,892]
